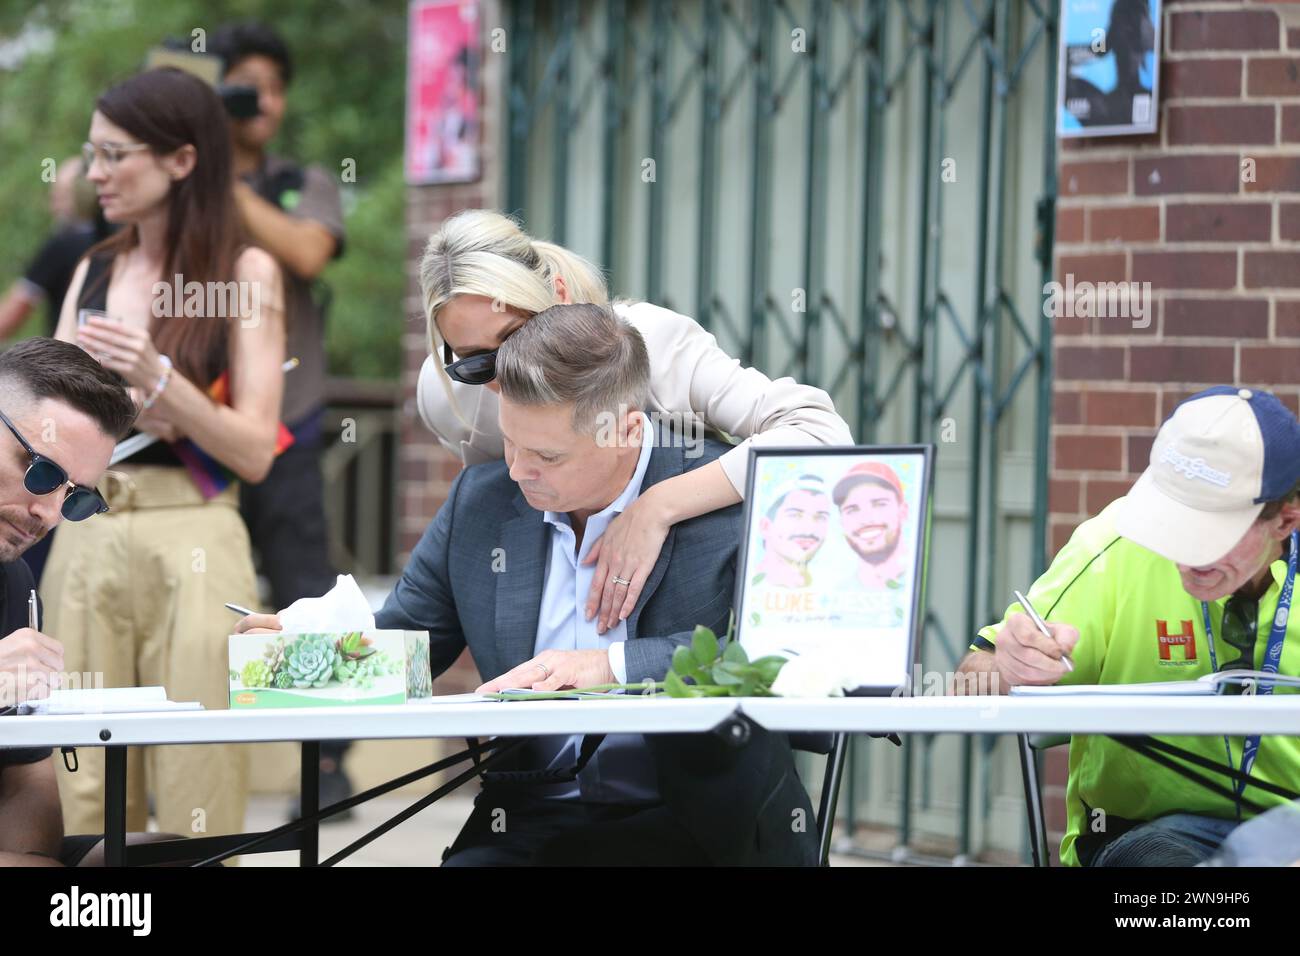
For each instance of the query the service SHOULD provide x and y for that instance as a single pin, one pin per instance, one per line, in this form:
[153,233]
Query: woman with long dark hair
[192,319]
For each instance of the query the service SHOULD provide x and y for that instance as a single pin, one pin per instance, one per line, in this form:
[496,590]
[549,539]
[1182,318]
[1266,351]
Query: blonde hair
[484,252]
[580,353]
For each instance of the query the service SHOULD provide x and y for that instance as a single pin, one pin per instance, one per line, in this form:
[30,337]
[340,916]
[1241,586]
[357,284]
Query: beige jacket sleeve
[691,375]
[690,379]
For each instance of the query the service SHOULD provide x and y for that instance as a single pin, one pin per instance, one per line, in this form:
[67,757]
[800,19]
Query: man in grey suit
[500,570]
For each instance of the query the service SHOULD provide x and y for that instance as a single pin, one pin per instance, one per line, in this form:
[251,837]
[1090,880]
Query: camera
[240,101]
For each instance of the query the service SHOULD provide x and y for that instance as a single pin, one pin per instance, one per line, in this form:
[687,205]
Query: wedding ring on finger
[546,671]
[622,581]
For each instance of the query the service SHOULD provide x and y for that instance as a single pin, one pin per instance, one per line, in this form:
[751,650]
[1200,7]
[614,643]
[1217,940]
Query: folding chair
[1030,745]
[835,748]
[830,796]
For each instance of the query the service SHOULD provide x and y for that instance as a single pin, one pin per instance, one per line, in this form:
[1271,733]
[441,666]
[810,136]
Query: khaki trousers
[136,595]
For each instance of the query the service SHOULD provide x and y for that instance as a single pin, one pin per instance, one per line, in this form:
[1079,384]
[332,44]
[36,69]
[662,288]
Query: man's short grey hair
[580,353]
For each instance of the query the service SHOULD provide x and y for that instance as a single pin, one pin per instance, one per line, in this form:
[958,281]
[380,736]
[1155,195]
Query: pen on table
[1041,625]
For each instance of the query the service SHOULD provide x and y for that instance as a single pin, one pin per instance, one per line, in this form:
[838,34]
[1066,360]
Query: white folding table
[506,724]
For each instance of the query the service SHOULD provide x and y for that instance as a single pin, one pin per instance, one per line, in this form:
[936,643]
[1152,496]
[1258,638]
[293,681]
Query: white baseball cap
[1216,461]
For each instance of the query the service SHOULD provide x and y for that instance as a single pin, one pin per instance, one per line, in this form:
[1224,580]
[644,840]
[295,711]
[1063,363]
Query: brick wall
[425,470]
[1207,210]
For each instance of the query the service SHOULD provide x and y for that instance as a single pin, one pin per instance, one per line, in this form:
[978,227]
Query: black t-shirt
[15,586]
[57,260]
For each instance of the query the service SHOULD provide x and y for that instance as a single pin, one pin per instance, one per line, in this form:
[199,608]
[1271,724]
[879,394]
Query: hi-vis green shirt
[1136,623]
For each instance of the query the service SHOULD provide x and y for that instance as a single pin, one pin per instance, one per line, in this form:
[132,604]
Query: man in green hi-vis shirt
[1192,572]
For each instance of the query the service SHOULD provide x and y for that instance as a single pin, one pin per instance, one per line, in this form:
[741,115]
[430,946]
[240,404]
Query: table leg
[309,803]
[114,806]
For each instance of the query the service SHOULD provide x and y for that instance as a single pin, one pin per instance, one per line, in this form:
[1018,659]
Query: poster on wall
[833,558]
[442,92]
[1108,77]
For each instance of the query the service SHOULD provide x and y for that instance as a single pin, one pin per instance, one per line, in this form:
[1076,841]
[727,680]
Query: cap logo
[1195,468]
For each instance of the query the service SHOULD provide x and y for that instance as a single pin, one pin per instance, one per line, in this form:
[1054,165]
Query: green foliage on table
[719,668]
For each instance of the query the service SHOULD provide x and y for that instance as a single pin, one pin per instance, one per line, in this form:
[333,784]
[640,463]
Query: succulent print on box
[310,660]
[343,668]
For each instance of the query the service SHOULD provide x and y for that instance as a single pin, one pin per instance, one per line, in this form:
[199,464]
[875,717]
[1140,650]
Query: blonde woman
[482,277]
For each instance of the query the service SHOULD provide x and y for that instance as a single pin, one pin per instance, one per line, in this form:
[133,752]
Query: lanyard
[1272,657]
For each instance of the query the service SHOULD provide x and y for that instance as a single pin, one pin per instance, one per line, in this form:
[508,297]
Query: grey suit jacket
[475,578]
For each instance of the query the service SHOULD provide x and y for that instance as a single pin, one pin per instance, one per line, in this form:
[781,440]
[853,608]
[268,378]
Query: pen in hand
[34,622]
[1041,625]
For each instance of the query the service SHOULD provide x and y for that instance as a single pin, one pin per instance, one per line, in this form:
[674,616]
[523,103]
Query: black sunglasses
[44,477]
[476,370]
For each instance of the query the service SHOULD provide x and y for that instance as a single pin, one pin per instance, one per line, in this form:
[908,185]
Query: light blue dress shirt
[622,769]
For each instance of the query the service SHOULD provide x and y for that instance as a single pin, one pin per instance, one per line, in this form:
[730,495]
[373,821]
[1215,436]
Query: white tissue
[344,608]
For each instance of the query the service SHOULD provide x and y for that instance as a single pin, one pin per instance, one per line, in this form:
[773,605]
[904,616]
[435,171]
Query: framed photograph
[834,558]
[1108,75]
[442,92]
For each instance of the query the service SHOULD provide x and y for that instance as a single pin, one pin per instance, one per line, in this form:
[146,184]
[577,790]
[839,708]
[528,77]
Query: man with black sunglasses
[62,414]
[1191,573]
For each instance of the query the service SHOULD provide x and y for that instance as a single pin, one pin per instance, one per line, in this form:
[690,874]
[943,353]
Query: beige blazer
[691,380]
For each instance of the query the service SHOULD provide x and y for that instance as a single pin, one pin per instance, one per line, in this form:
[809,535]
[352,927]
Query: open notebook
[1202,686]
[107,700]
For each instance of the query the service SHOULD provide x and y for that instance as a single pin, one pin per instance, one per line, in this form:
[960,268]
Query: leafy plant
[719,668]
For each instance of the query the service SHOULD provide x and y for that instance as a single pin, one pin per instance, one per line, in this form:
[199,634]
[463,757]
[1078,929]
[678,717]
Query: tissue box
[328,669]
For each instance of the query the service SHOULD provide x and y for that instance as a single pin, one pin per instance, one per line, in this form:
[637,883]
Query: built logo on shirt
[1186,640]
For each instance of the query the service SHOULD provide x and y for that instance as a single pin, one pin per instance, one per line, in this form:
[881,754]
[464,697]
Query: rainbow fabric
[210,475]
